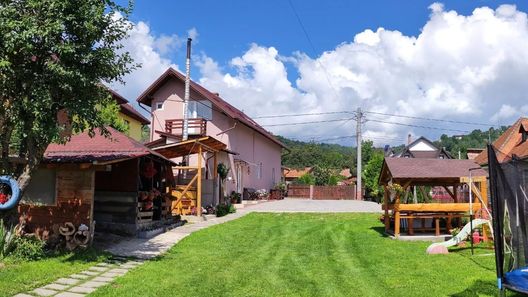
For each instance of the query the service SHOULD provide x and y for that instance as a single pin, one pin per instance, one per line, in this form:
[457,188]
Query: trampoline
[509,197]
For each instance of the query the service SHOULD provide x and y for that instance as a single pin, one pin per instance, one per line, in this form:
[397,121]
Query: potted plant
[279,191]
[395,190]
[235,197]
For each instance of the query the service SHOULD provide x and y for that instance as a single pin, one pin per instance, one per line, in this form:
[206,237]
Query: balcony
[196,127]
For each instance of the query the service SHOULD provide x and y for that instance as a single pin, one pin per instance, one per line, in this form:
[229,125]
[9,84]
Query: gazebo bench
[410,216]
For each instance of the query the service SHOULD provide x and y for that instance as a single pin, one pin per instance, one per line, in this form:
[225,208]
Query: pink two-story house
[253,154]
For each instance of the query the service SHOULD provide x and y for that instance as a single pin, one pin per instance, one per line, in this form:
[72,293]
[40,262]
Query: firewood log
[67,229]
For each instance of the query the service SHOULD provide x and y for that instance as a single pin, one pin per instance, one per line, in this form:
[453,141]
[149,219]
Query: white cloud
[459,68]
[151,51]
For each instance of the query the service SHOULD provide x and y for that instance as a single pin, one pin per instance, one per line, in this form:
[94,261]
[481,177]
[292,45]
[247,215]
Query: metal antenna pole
[471,211]
[185,134]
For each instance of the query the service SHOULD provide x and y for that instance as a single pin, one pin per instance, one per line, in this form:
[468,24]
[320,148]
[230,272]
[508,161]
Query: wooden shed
[110,183]
[400,175]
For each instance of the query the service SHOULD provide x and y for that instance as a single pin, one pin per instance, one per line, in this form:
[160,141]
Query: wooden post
[410,224]
[397,216]
[437,226]
[386,202]
[484,196]
[199,183]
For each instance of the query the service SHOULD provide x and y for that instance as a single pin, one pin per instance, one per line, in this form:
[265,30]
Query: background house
[252,153]
[134,120]
[422,148]
[513,142]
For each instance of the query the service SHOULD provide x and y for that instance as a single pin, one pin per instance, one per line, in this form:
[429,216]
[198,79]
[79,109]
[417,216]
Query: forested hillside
[475,139]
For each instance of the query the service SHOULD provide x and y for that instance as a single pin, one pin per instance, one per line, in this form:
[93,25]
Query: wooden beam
[199,186]
[386,203]
[453,195]
[438,207]
[465,179]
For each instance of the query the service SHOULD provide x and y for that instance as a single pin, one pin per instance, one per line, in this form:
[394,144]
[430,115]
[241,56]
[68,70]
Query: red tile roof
[227,108]
[508,144]
[431,168]
[296,173]
[83,148]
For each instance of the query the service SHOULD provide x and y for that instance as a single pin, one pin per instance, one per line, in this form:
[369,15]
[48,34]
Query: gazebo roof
[189,147]
[432,171]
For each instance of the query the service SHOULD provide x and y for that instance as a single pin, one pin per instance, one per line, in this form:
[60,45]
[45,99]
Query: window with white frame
[159,105]
[201,109]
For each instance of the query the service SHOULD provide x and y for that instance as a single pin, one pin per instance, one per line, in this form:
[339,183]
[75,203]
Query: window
[41,189]
[273,174]
[159,105]
[259,171]
[200,109]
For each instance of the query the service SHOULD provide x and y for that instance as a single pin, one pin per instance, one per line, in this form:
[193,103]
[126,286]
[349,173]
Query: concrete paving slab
[69,294]
[56,287]
[93,284]
[82,290]
[67,281]
[44,292]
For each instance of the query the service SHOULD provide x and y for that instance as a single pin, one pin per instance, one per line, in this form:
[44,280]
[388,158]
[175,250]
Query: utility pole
[186,97]
[359,119]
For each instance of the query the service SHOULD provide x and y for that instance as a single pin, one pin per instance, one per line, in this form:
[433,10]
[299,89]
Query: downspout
[227,130]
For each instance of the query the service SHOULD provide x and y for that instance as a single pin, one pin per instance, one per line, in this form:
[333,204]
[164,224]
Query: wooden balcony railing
[197,127]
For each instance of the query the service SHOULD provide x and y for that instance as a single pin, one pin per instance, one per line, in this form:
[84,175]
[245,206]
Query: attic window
[159,105]
[524,135]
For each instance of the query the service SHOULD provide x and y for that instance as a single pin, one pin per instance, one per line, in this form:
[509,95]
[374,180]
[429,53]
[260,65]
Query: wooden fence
[322,192]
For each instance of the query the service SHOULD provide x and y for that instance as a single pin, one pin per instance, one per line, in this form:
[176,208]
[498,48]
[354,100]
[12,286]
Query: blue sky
[227,28]
[454,61]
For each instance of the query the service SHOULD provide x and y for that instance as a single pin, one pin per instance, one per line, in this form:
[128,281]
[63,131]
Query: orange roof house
[291,174]
[511,143]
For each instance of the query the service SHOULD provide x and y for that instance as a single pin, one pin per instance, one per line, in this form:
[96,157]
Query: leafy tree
[306,179]
[110,117]
[54,57]
[371,174]
[321,175]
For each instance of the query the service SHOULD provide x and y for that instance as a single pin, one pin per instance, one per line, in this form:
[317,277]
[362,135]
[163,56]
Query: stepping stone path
[87,281]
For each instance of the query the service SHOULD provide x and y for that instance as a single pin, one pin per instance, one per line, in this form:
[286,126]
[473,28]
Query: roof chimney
[216,94]
[409,138]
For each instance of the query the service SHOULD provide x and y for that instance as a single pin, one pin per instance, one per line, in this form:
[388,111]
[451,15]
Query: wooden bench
[449,216]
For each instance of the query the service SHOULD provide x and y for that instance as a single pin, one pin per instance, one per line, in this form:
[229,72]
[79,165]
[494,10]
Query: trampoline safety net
[509,196]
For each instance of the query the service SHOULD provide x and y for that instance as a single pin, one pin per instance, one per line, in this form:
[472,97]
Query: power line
[429,119]
[300,114]
[313,47]
[419,126]
[307,123]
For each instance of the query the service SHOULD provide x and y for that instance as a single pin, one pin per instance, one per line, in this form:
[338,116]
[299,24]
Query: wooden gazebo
[403,177]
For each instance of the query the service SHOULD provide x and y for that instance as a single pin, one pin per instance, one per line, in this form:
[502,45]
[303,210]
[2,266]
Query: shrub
[7,239]
[305,179]
[224,209]
[29,248]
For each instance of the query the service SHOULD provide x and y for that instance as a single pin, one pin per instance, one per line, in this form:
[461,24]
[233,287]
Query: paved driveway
[307,205]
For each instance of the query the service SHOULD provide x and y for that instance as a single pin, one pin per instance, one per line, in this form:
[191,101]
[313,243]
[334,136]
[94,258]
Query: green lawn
[306,255]
[18,276]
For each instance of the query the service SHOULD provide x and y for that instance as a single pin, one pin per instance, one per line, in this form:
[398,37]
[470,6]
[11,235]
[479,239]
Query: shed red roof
[431,168]
[230,110]
[83,148]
